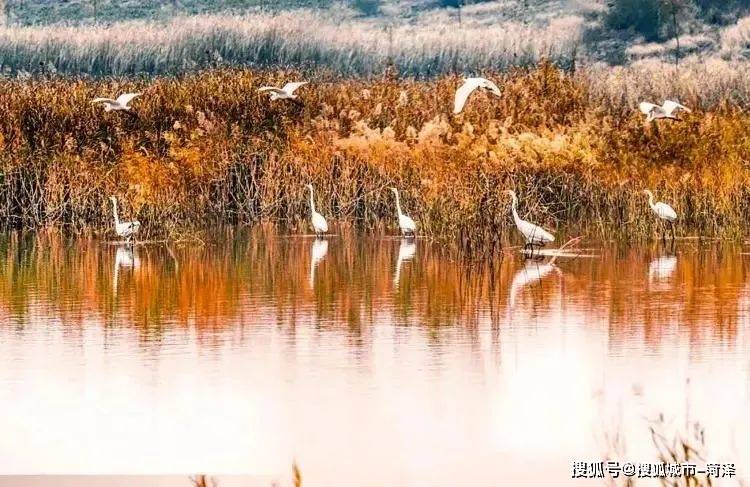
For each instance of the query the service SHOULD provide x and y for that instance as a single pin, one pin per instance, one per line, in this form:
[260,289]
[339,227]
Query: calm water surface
[369,361]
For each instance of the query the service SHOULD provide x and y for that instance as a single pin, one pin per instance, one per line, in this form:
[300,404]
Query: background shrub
[644,16]
[366,7]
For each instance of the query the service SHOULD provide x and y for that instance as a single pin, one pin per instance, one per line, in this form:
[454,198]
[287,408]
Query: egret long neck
[514,209]
[114,211]
[312,201]
[398,204]
[651,200]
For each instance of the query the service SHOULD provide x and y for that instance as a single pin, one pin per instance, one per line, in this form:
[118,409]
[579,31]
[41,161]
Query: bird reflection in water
[531,273]
[126,257]
[406,252]
[318,252]
[662,268]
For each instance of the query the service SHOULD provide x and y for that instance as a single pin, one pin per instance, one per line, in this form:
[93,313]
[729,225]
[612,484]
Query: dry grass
[303,39]
[206,148]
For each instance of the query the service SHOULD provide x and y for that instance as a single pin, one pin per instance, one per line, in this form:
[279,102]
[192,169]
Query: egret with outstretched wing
[471,84]
[668,110]
[122,103]
[284,93]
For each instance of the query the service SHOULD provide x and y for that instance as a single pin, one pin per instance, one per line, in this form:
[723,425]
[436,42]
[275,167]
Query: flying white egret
[406,252]
[318,221]
[534,234]
[127,230]
[406,224]
[284,93]
[662,210]
[471,84]
[667,110]
[120,104]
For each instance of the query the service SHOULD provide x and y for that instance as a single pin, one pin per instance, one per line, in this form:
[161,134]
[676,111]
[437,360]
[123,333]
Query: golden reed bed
[206,148]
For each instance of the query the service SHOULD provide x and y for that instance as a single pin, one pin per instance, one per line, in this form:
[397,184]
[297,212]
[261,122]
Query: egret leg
[528,247]
[671,225]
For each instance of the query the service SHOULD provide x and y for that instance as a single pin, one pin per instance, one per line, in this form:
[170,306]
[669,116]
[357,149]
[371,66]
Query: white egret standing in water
[406,251]
[120,104]
[667,110]
[471,84]
[662,210]
[127,230]
[318,221]
[406,224]
[284,93]
[534,234]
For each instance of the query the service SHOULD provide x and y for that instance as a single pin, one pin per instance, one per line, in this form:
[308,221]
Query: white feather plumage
[471,84]
[534,234]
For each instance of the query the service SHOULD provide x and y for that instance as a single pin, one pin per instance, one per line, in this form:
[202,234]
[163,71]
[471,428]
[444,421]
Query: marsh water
[367,360]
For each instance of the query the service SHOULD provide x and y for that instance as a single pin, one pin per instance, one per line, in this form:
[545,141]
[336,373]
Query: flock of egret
[534,235]
[407,226]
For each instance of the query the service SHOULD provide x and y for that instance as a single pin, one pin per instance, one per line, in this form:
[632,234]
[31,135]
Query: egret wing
[103,100]
[671,106]
[665,211]
[407,224]
[319,223]
[278,91]
[126,98]
[646,107]
[462,93]
[534,233]
[485,83]
[292,87]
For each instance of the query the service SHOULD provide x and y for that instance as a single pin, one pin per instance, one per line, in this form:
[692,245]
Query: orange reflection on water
[379,360]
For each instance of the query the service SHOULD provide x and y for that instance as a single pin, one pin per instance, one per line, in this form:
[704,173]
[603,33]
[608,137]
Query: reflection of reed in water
[249,277]
[406,251]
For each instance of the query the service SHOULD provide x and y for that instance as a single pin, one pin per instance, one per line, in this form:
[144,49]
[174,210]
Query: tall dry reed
[301,39]
[206,148]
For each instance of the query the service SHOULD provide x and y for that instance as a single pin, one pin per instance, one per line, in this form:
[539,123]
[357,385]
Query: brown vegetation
[206,148]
